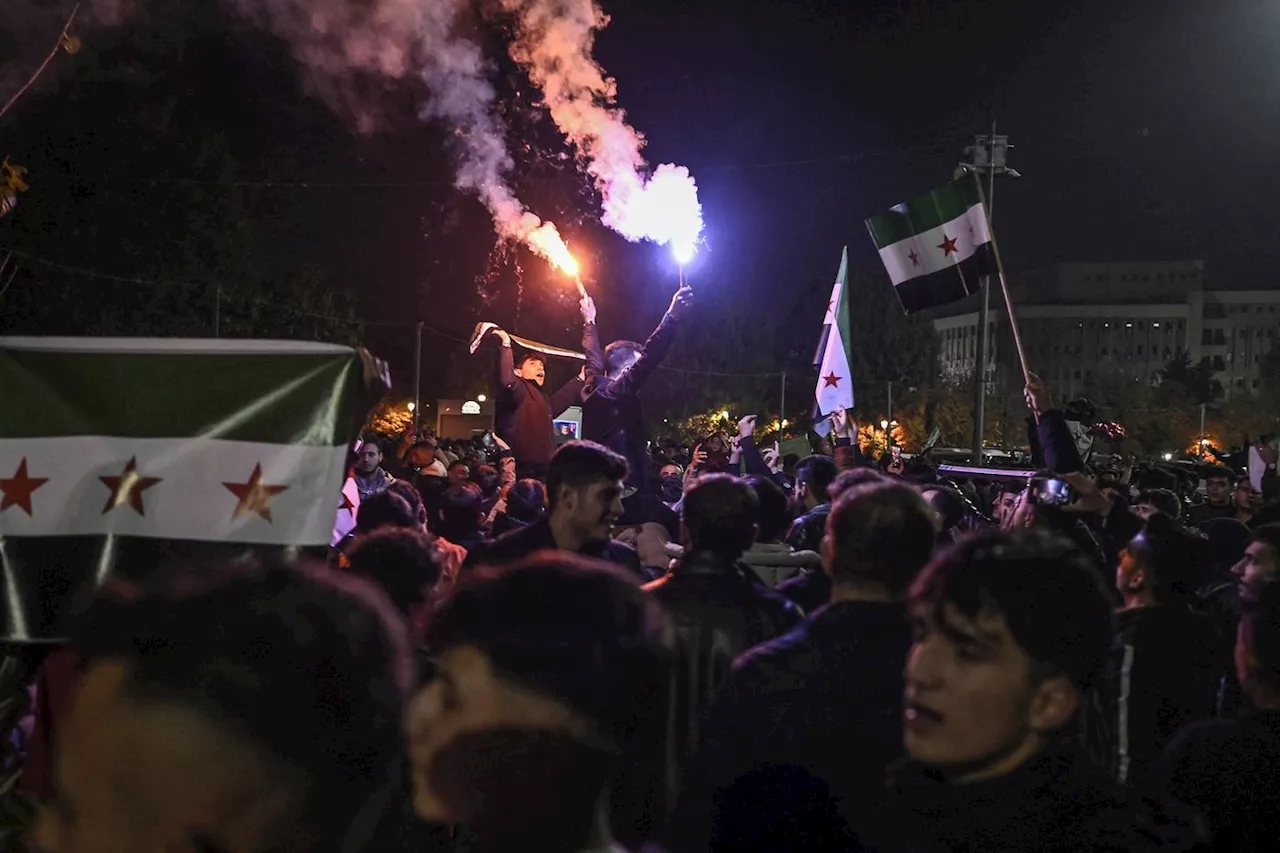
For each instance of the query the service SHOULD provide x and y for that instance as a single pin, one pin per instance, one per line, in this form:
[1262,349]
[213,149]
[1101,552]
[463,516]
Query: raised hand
[746,426]
[681,302]
[588,306]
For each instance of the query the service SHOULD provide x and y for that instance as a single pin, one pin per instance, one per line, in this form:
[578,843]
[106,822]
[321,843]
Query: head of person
[947,504]
[1005,503]
[1261,560]
[422,454]
[551,676]
[368,457]
[1217,486]
[1246,498]
[413,497]
[1163,564]
[1011,627]
[385,509]
[620,356]
[671,482]
[1157,478]
[814,476]
[527,501]
[461,513]
[252,706]
[458,472]
[879,536]
[1151,501]
[1257,656]
[851,479]
[719,517]
[584,488]
[402,563]
[532,367]
[774,514]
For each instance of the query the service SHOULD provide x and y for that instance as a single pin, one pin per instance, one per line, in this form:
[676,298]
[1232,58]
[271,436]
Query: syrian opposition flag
[937,246]
[835,383]
[117,454]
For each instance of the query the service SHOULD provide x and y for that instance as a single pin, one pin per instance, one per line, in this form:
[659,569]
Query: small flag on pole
[835,382]
[935,247]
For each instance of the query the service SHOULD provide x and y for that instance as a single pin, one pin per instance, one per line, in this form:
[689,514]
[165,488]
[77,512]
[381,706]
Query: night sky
[1145,130]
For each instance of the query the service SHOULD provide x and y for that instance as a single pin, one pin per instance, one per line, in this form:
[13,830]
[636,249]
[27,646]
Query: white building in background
[1129,317]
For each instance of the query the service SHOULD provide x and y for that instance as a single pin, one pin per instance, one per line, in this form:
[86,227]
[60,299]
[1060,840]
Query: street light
[481,398]
[724,415]
[411,406]
[884,425]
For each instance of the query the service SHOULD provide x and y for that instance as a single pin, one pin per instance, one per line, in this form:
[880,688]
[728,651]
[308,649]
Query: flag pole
[1004,283]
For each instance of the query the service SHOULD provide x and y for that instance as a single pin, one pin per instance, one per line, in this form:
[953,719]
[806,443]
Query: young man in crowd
[719,613]
[1229,770]
[369,476]
[1218,488]
[247,707]
[1261,559]
[814,475]
[523,411]
[548,706]
[584,494]
[779,779]
[1010,629]
[611,411]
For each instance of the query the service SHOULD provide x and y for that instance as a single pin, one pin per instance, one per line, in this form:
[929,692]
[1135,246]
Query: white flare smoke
[396,38]
[554,41]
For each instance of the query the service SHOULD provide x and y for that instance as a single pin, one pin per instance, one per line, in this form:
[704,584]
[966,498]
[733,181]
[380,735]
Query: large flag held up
[936,246]
[118,454]
[835,379]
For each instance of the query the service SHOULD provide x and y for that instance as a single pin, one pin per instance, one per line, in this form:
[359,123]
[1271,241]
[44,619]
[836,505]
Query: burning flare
[553,43]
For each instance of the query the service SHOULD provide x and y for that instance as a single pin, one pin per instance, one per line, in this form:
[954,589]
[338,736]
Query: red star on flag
[914,256]
[832,380]
[346,502]
[127,488]
[18,488]
[948,245]
[254,496]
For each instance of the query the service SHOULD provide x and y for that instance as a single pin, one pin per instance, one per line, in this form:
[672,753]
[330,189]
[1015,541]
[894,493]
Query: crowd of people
[615,646]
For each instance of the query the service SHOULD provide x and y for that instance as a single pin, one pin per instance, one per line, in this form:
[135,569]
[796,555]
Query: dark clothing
[1230,771]
[1059,801]
[643,508]
[798,745]
[1201,514]
[611,412]
[523,413]
[532,538]
[504,524]
[370,485]
[807,531]
[1052,445]
[809,591]
[1163,673]
[718,613]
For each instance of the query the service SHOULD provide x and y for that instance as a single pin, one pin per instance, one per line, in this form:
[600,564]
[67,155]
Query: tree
[1195,381]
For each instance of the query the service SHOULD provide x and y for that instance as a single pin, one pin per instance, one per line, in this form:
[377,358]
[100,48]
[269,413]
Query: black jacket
[1163,673]
[532,538]
[523,413]
[611,412]
[1230,771]
[719,613]
[799,743]
[1059,801]
[807,531]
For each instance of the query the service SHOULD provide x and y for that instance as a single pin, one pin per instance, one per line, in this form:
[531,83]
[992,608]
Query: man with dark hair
[1011,628]
[384,509]
[526,502]
[1166,661]
[550,696]
[246,707]
[490,483]
[1261,559]
[369,476]
[835,679]
[1218,483]
[1151,501]
[1229,770]
[611,411]
[523,412]
[584,493]
[458,472]
[718,611]
[402,563]
[413,497]
[814,476]
[769,557]
[460,515]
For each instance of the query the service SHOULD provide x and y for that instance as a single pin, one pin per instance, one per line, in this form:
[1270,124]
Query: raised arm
[591,341]
[655,349]
[506,375]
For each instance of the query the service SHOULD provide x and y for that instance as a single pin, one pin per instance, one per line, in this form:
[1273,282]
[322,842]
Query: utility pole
[217,310]
[989,154]
[782,415]
[417,378]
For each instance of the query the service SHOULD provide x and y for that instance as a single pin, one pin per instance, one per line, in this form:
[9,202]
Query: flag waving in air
[835,379]
[936,246]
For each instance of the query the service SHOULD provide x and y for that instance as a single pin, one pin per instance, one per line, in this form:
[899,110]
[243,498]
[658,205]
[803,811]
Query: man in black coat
[798,745]
[584,494]
[611,411]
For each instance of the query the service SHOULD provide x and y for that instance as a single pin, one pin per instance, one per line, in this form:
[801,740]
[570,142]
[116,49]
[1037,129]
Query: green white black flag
[935,247]
[117,452]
